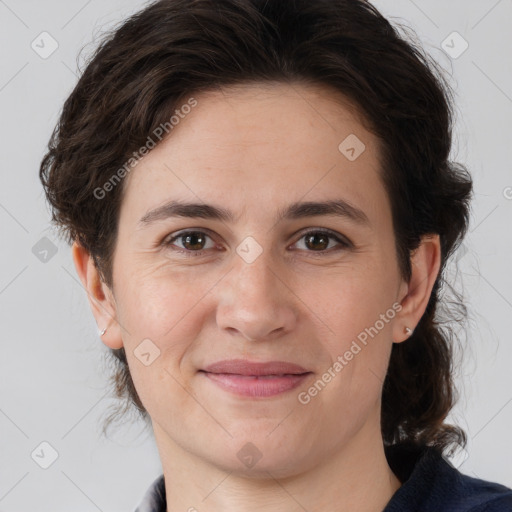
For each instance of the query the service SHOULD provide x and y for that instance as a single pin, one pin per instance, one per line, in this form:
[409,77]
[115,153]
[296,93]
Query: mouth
[254,379]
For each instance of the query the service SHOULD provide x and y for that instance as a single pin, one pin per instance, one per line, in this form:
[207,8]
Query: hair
[144,69]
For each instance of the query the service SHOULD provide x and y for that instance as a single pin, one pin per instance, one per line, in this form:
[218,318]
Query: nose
[255,302]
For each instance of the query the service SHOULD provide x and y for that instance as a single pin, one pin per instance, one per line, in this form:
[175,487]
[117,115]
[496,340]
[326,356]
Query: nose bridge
[255,301]
[256,277]
[253,265]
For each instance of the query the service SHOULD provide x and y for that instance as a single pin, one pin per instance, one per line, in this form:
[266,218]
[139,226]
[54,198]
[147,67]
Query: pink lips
[246,378]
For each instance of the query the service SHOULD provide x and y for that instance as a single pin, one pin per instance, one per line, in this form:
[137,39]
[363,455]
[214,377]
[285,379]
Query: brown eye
[193,241]
[320,241]
[189,241]
[317,241]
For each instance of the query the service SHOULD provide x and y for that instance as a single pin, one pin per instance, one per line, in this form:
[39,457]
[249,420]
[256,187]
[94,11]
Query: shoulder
[484,496]
[500,504]
[430,482]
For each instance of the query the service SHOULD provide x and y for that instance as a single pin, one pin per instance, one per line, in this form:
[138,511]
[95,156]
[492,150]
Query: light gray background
[52,380]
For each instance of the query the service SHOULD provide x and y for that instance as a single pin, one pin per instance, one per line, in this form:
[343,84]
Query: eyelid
[333,234]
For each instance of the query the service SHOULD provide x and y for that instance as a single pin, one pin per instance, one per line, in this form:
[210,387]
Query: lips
[255,380]
[244,367]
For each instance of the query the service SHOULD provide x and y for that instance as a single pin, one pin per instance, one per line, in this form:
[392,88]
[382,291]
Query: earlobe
[100,297]
[425,265]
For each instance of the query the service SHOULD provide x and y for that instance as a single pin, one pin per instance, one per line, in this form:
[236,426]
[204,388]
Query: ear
[425,265]
[101,298]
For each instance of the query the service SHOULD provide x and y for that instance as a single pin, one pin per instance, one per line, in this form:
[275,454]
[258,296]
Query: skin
[254,149]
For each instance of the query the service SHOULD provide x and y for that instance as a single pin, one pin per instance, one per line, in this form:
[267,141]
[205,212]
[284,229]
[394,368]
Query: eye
[320,240]
[194,243]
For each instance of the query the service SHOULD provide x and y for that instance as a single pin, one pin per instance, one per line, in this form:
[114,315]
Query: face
[258,276]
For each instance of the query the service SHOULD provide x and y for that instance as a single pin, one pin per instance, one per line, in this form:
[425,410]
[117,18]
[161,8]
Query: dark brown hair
[146,68]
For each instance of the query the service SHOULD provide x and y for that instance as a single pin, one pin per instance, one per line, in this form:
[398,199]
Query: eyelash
[345,244]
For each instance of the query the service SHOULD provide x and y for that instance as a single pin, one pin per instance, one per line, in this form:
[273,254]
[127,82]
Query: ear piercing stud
[103,331]
[408,331]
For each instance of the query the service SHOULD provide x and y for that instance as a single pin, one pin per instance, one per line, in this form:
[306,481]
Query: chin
[255,455]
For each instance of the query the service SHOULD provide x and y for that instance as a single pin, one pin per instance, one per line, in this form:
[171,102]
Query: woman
[261,208]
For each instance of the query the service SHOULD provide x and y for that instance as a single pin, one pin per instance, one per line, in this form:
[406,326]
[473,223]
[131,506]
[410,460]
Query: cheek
[358,309]
[358,343]
[353,301]
[160,315]
[156,299]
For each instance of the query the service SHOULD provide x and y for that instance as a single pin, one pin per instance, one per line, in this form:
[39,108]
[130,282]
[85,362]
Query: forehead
[262,142]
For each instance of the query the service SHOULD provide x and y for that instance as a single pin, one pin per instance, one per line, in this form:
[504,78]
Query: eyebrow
[298,210]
